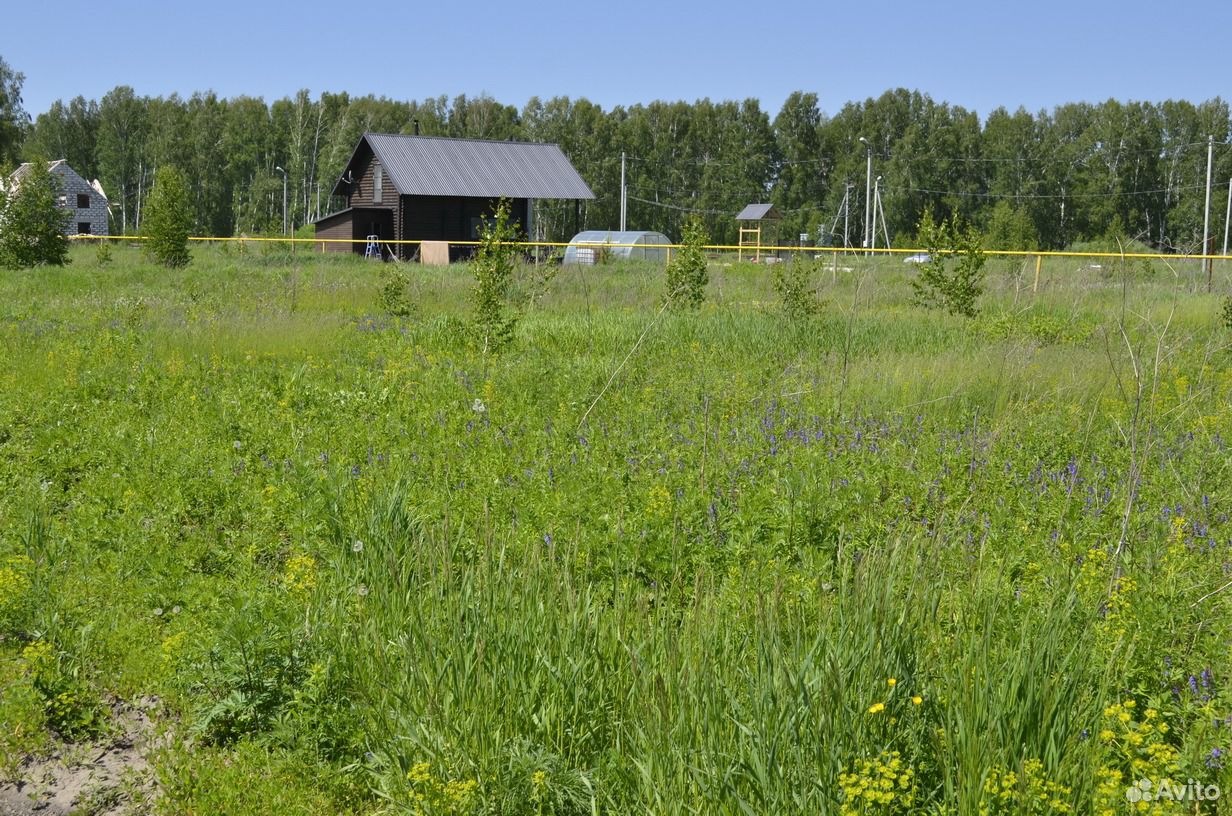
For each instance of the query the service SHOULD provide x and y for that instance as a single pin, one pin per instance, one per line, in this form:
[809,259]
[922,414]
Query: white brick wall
[95,215]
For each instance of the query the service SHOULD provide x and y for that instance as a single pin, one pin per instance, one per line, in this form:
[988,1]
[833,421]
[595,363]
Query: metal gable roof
[432,165]
[757,212]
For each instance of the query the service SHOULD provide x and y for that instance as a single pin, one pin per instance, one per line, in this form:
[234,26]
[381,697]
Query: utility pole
[847,215]
[842,213]
[1206,218]
[876,195]
[868,188]
[879,207]
[1227,216]
[624,194]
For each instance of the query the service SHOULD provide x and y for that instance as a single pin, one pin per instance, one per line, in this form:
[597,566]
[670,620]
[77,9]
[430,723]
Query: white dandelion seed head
[478,407]
[362,589]
[158,611]
[358,546]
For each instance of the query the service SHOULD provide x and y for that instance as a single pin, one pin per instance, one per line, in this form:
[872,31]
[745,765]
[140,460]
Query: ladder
[373,249]
[750,238]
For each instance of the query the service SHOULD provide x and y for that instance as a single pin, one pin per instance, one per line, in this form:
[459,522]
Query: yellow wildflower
[40,656]
[301,574]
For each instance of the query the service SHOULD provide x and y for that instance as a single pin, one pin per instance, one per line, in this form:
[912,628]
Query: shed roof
[434,165]
[324,219]
[758,212]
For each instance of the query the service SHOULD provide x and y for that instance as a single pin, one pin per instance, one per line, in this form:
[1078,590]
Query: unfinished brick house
[85,200]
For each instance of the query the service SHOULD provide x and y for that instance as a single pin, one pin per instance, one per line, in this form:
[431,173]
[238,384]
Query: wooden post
[1035,286]
[834,271]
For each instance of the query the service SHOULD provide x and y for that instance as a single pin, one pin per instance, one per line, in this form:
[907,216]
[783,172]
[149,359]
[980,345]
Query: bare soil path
[107,777]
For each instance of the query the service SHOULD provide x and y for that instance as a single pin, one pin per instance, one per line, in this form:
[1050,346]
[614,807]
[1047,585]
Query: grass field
[879,561]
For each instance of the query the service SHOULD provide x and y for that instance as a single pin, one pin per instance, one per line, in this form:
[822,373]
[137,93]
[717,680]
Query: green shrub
[102,252]
[168,219]
[686,271]
[1010,228]
[952,278]
[31,224]
[793,283]
[493,271]
[254,670]
[394,297]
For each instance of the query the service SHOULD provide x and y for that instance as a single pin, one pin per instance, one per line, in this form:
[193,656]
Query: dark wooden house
[428,188]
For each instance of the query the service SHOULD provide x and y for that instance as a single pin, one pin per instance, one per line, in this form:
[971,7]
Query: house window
[83,201]
[83,227]
[378,185]
[63,201]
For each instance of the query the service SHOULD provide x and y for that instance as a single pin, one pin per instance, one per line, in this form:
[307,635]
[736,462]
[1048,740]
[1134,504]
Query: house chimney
[415,124]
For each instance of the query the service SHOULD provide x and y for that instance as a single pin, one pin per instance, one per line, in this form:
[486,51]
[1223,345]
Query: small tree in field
[793,282]
[168,219]
[31,225]
[1010,227]
[686,272]
[493,271]
[953,276]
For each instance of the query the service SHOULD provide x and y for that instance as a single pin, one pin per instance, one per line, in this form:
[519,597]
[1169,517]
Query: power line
[1028,196]
[1162,152]
[929,191]
[679,209]
[703,211]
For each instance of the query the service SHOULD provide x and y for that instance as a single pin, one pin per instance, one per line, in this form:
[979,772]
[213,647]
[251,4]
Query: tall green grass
[642,562]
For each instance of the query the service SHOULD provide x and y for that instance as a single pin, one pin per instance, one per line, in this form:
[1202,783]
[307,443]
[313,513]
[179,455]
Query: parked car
[918,258]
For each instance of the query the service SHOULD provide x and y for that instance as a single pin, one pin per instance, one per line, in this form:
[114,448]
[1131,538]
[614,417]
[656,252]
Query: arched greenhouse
[588,248]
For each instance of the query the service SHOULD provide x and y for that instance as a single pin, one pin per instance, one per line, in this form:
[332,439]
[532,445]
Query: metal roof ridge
[458,139]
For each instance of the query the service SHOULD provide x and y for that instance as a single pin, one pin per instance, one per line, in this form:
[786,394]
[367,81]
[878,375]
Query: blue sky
[976,54]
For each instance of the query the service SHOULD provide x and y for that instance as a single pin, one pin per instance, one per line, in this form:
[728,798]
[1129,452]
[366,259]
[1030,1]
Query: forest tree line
[1081,172]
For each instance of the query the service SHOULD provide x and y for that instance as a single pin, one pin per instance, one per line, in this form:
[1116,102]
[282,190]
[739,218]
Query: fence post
[1035,286]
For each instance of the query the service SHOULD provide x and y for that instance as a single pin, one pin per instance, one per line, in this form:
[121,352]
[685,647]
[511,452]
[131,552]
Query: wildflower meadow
[745,558]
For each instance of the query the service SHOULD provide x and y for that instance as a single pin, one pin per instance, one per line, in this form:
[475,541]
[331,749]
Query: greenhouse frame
[586,247]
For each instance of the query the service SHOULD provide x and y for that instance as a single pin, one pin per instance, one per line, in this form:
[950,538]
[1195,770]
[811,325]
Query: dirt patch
[108,777]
